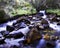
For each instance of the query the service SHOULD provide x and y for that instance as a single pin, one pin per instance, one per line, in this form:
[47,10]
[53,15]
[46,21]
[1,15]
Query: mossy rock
[43,21]
[3,16]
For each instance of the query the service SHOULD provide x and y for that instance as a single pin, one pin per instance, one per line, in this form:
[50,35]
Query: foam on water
[10,22]
[3,28]
[54,26]
[23,30]
[14,41]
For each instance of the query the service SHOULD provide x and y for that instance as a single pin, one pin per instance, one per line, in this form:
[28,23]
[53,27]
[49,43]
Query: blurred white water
[14,41]
[54,26]
[3,26]
[23,30]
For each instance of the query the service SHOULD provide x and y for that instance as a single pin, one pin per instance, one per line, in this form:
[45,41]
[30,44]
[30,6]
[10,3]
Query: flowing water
[54,25]
[3,26]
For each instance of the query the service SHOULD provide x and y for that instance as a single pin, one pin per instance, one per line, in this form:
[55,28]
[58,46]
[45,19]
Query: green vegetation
[23,8]
[54,11]
[21,11]
[14,7]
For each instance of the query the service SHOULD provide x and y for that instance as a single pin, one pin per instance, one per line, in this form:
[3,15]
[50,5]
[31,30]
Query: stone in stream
[58,23]
[16,35]
[44,23]
[40,27]
[2,39]
[23,20]
[10,28]
[20,25]
[31,35]
[54,19]
[14,46]
[4,33]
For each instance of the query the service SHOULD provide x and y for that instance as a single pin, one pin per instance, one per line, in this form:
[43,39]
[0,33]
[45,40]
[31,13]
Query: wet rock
[21,25]
[10,28]
[31,36]
[23,20]
[18,35]
[2,39]
[4,33]
[44,23]
[14,46]
[54,19]
[39,27]
[9,36]
[58,23]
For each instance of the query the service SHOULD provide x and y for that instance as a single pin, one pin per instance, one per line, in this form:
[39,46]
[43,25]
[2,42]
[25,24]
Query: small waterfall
[3,26]
[11,22]
[14,41]
[23,30]
[53,25]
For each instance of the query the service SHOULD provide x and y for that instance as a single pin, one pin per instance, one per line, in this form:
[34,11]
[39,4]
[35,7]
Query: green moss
[20,10]
[54,11]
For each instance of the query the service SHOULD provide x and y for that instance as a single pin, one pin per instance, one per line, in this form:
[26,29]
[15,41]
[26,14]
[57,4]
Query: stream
[3,26]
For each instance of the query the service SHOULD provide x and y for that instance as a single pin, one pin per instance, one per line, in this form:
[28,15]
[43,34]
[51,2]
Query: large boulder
[44,23]
[1,39]
[32,36]
[15,36]
[10,28]
[3,16]
[54,19]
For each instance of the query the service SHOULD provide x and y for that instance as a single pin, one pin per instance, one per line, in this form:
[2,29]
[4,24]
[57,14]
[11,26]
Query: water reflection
[42,43]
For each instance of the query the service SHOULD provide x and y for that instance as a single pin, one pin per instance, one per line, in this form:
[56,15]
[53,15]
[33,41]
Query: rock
[4,33]
[40,27]
[54,19]
[14,46]
[31,36]
[18,35]
[23,20]
[2,39]
[20,25]
[43,21]
[46,36]
[10,28]
[3,16]
[58,23]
